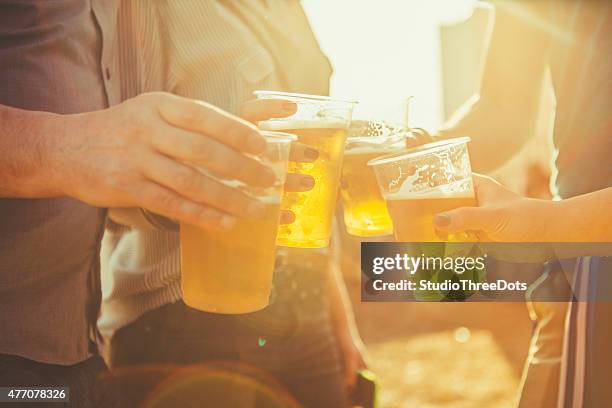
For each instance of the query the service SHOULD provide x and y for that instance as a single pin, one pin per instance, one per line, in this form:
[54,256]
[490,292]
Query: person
[70,149]
[504,216]
[571,40]
[221,52]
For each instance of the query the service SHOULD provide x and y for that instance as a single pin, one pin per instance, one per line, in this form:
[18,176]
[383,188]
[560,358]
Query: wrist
[32,139]
[56,131]
[551,216]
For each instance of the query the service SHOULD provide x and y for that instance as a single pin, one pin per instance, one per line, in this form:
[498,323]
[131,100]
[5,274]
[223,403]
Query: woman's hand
[501,215]
[262,109]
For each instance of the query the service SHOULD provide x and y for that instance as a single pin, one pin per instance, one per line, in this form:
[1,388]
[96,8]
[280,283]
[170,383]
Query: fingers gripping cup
[322,123]
[231,271]
[421,182]
[365,210]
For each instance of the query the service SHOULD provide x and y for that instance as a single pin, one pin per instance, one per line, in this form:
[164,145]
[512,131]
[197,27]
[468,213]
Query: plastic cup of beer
[364,208]
[322,123]
[231,271]
[421,182]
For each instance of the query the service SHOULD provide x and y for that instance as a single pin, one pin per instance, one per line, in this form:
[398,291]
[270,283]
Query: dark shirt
[581,69]
[55,56]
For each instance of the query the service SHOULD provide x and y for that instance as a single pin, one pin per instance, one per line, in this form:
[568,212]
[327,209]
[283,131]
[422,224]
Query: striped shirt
[216,51]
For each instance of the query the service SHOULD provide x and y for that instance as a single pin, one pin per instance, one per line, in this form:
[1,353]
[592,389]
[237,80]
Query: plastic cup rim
[278,137]
[418,151]
[303,96]
[372,140]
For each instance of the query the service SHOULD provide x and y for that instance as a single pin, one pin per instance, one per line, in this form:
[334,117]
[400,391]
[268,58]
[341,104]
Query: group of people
[103,102]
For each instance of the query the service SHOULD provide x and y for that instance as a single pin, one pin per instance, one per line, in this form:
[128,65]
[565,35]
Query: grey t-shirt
[54,56]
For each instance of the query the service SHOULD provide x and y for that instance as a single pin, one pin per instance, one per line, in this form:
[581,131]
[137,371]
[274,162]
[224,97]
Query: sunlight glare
[386,50]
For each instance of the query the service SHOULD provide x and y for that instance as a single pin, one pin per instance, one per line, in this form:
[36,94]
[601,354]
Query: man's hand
[138,154]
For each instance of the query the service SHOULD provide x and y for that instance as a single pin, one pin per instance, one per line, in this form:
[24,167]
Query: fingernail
[289,107]
[256,209]
[256,143]
[227,222]
[307,182]
[311,153]
[442,220]
[287,217]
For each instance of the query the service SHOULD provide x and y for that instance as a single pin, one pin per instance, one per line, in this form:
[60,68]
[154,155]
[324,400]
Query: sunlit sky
[385,50]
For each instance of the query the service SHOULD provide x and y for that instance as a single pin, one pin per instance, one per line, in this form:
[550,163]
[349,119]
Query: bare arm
[584,218]
[134,155]
[502,117]
[26,138]
[505,216]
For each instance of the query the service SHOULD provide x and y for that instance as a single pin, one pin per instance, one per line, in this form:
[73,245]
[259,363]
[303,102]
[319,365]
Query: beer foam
[453,190]
[288,124]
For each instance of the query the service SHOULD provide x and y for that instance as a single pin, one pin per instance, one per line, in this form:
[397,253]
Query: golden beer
[365,210]
[230,271]
[322,123]
[314,209]
[413,217]
[421,182]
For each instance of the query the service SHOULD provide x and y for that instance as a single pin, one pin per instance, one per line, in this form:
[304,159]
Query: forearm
[584,218]
[498,132]
[27,142]
[503,114]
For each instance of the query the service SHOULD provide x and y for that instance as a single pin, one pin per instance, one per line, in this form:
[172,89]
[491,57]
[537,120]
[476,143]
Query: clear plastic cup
[364,208]
[231,271]
[421,182]
[322,123]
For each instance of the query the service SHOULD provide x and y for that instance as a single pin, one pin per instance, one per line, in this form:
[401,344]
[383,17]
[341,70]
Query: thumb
[466,219]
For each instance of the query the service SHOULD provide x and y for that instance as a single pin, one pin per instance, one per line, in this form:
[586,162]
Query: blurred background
[430,355]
